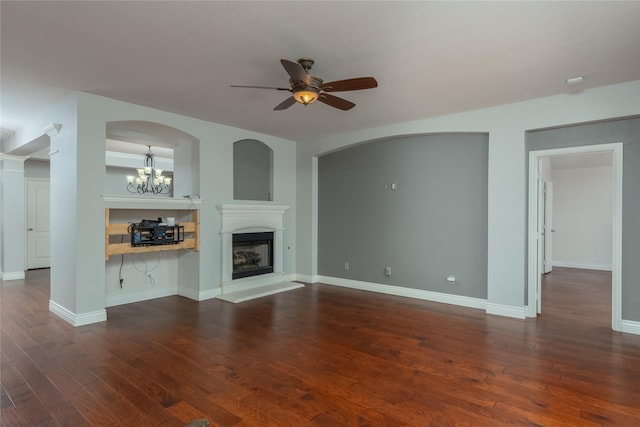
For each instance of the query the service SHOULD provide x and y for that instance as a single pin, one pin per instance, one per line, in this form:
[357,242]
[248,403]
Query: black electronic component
[151,233]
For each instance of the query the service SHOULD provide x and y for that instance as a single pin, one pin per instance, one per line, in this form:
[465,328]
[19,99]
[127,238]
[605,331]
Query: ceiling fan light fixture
[305,95]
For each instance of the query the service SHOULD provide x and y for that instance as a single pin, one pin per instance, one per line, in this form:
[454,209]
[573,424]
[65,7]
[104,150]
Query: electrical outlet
[346,266]
[387,271]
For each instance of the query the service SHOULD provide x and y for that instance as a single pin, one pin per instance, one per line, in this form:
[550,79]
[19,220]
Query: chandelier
[149,179]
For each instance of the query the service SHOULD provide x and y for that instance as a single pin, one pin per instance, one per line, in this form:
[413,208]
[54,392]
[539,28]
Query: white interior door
[548,226]
[38,223]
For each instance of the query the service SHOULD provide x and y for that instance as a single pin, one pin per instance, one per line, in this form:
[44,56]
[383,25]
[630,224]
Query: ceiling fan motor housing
[306,63]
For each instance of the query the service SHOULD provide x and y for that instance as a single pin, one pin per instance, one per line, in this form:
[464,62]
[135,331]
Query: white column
[12,217]
[77,169]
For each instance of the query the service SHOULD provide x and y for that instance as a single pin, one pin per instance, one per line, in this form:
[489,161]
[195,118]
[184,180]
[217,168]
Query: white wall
[12,217]
[506,126]
[209,174]
[582,217]
[81,281]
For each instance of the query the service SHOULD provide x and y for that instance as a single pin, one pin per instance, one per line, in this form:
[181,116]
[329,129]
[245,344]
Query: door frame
[533,273]
[547,225]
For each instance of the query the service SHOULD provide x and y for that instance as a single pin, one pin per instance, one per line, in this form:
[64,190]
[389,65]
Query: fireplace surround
[243,219]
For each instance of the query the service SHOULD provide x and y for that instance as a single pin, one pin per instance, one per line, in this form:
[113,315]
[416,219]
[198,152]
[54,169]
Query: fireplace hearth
[252,254]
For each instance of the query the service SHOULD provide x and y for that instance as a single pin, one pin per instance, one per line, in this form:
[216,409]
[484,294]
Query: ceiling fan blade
[335,101]
[285,104]
[262,87]
[296,71]
[350,84]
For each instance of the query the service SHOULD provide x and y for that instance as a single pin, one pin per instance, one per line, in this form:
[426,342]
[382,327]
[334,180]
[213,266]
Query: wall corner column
[506,227]
[12,218]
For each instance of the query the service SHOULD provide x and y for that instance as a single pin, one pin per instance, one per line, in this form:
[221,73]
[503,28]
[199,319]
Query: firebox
[252,254]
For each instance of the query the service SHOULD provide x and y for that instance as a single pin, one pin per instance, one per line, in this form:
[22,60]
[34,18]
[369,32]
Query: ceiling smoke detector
[572,81]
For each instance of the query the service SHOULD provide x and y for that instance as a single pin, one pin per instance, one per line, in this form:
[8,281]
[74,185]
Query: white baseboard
[16,275]
[405,292]
[77,319]
[199,295]
[630,327]
[506,310]
[131,297]
[304,278]
[603,267]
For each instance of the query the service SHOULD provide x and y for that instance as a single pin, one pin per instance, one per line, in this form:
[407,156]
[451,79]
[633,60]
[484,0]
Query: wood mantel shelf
[191,228]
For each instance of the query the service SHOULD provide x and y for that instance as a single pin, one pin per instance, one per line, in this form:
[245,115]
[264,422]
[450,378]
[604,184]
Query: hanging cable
[121,279]
[147,271]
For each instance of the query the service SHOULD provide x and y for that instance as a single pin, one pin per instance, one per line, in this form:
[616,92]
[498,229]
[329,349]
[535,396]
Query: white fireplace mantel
[249,219]
[246,218]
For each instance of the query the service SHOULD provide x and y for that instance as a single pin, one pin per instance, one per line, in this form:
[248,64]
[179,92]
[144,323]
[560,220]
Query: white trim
[250,219]
[199,295]
[305,278]
[251,210]
[3,171]
[52,130]
[162,293]
[4,156]
[14,275]
[77,319]
[630,327]
[134,202]
[404,292]
[506,310]
[601,267]
[616,256]
[115,300]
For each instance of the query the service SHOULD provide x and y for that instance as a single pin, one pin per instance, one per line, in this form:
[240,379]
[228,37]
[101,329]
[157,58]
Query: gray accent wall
[626,131]
[433,224]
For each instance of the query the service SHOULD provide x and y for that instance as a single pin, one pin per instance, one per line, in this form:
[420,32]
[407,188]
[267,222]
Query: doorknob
[29,229]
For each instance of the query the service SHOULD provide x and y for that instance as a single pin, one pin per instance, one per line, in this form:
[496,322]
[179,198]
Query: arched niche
[252,170]
[177,152]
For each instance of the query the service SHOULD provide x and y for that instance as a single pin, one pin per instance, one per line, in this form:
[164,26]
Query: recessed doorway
[536,230]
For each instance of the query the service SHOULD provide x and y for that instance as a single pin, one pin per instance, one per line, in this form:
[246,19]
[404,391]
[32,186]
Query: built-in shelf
[191,228]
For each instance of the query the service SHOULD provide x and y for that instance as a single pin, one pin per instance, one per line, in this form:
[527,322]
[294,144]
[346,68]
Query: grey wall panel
[34,168]
[433,224]
[252,170]
[626,131]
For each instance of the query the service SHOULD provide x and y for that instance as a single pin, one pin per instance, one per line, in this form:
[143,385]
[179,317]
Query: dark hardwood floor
[320,356]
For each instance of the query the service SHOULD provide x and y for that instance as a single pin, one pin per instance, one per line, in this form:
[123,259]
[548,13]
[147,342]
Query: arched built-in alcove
[252,170]
[176,152]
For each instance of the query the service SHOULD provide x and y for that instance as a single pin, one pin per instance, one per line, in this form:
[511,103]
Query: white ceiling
[430,58]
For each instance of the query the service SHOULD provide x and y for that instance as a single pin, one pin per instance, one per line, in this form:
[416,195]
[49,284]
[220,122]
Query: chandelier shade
[148,179]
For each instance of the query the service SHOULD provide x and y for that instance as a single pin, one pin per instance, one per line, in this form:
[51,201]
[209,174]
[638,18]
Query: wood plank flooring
[320,356]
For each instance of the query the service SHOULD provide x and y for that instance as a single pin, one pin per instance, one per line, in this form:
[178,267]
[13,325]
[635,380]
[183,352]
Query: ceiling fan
[307,89]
